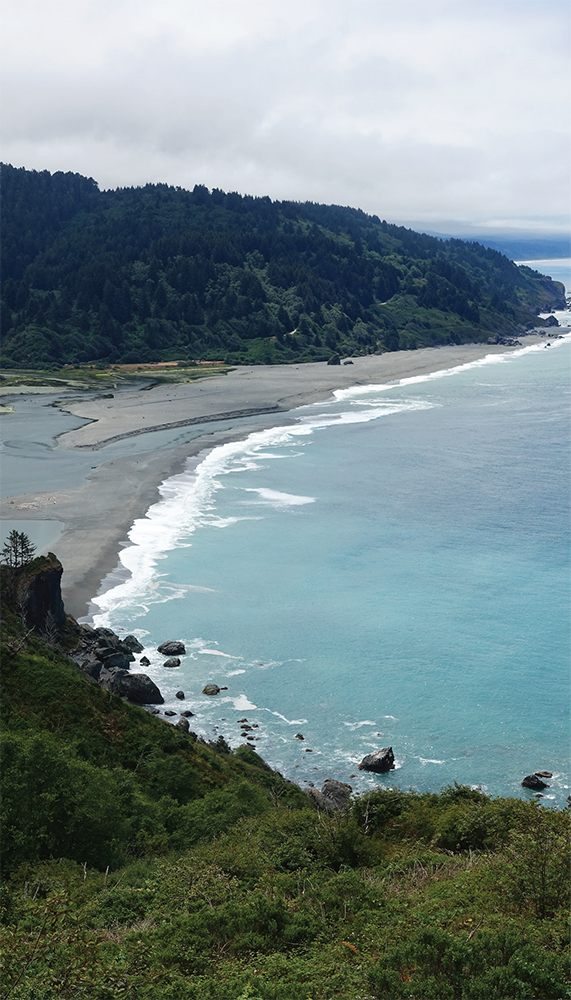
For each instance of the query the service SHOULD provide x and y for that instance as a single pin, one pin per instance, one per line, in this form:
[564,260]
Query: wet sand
[98,515]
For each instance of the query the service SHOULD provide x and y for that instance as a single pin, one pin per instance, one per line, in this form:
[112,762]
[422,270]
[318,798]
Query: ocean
[393,569]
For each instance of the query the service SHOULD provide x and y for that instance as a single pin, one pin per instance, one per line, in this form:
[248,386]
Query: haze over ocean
[393,569]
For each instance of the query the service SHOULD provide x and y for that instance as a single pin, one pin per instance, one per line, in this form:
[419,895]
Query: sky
[447,115]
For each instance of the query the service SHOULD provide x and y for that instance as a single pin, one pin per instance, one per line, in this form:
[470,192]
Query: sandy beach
[98,515]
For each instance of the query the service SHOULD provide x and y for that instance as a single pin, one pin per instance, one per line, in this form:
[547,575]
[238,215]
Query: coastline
[98,515]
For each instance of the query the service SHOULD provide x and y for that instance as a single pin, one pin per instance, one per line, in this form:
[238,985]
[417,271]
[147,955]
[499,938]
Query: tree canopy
[158,273]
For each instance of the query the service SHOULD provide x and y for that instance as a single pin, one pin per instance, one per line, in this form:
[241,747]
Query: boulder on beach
[173,661]
[172,648]
[183,724]
[334,360]
[210,689]
[380,761]
[532,781]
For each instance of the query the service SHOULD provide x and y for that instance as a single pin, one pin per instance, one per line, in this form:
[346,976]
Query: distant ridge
[158,273]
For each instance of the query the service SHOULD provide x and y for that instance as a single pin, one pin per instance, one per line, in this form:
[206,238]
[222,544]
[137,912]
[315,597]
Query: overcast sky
[447,114]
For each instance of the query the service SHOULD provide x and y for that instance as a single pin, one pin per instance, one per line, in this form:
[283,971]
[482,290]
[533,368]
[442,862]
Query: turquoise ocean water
[393,569]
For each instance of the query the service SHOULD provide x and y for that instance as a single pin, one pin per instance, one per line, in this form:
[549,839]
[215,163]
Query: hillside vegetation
[142,863]
[158,273]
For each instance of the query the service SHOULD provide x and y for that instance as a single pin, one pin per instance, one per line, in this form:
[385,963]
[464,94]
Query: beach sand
[98,515]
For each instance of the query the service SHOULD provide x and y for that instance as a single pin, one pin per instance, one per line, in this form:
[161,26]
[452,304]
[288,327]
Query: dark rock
[242,720]
[543,774]
[187,715]
[135,687]
[180,695]
[245,728]
[39,594]
[380,761]
[105,633]
[334,795]
[211,689]
[308,751]
[144,661]
[224,689]
[347,362]
[92,668]
[154,711]
[298,736]
[87,631]
[334,360]
[532,781]
[183,724]
[132,643]
[114,658]
[551,321]
[168,712]
[173,661]
[172,648]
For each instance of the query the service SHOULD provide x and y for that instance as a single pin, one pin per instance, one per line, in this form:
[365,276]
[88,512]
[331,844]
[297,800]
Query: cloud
[448,109]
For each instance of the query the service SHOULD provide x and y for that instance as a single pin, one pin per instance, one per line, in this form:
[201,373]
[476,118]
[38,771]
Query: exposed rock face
[211,689]
[135,687]
[132,643]
[380,761]
[39,591]
[532,781]
[334,795]
[334,360]
[172,648]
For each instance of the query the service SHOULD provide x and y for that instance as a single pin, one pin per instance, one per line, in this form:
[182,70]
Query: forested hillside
[141,863]
[160,273]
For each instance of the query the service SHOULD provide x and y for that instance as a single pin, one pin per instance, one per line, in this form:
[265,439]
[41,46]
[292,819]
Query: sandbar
[98,515]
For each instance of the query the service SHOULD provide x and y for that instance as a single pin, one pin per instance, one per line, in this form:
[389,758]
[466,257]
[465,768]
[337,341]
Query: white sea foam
[357,725]
[242,704]
[429,760]
[275,498]
[218,652]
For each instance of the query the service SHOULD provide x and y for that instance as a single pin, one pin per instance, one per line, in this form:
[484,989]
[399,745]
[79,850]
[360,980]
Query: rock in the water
[135,687]
[183,724]
[211,689]
[132,643]
[180,695]
[168,712]
[380,761]
[173,661]
[298,736]
[543,774]
[187,715]
[172,648]
[144,661]
[532,781]
[334,795]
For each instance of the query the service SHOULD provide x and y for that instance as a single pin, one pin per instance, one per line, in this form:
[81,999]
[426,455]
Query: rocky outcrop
[172,648]
[183,724]
[39,594]
[211,689]
[334,795]
[135,687]
[380,761]
[334,360]
[173,661]
[532,781]
[132,643]
[106,658]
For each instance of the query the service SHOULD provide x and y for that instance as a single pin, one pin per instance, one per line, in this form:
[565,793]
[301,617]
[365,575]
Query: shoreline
[98,515]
